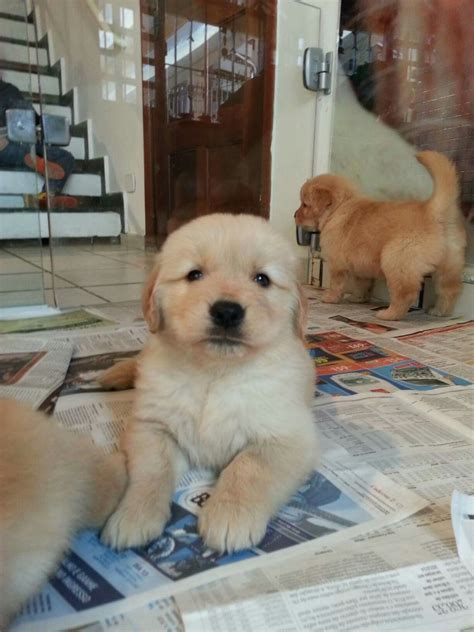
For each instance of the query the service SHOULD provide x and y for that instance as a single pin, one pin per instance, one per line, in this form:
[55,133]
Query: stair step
[15,17]
[91,165]
[49,71]
[14,8]
[58,110]
[77,147]
[11,201]
[23,54]
[28,182]
[16,29]
[20,225]
[20,79]
[107,202]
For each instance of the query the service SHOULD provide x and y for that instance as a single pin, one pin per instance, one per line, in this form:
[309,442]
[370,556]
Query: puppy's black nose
[226,314]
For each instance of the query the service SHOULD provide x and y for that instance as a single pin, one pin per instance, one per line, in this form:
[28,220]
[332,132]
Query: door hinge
[317,69]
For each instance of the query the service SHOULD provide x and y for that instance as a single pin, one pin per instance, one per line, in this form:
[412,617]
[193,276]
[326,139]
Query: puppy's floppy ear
[301,312]
[149,306]
[321,198]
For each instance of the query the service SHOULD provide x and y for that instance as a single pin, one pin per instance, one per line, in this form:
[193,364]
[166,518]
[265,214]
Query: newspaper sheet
[433,355]
[32,368]
[424,539]
[94,353]
[354,317]
[425,597]
[396,431]
[420,441]
[453,345]
[125,313]
[73,319]
[93,581]
[105,341]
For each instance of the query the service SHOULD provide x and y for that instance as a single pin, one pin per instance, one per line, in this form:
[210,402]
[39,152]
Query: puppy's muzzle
[227,315]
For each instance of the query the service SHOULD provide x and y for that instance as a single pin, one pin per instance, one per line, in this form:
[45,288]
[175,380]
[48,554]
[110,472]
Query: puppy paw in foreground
[52,483]
[364,239]
[224,382]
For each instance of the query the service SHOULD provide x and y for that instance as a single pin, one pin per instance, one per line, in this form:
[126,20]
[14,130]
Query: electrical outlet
[130,183]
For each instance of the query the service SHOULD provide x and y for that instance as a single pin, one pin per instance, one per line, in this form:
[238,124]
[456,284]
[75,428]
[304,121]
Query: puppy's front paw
[135,523]
[229,526]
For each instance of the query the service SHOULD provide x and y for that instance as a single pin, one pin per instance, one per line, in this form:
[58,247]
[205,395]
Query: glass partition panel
[21,165]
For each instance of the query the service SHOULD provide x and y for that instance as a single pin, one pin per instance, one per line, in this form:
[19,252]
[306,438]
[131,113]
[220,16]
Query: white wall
[99,75]
[302,120]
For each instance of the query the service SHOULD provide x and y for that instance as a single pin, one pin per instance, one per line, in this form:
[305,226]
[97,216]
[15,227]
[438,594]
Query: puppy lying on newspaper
[225,383]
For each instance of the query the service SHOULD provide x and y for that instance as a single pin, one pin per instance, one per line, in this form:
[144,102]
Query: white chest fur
[213,415]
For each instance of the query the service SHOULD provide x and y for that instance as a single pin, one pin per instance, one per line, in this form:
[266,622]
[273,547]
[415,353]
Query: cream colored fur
[364,239]
[52,483]
[243,409]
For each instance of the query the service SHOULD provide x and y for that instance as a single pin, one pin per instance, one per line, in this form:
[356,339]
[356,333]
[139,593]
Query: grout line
[96,295]
[43,270]
[72,283]
[112,284]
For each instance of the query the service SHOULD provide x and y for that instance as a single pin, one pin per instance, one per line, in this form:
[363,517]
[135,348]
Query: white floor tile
[136,259]
[12,299]
[12,265]
[84,261]
[115,274]
[22,281]
[72,297]
[116,293]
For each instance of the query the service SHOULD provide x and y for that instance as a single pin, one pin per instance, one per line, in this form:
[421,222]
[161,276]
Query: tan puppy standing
[364,239]
[225,383]
[52,483]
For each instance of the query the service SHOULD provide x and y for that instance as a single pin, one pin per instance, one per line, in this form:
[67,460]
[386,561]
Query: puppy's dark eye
[262,279]
[194,275]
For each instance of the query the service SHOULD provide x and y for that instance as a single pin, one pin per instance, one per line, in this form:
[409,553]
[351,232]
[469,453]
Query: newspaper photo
[32,368]
[350,366]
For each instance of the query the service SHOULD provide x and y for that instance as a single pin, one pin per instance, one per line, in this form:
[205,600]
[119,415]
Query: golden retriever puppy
[225,382]
[364,239]
[52,483]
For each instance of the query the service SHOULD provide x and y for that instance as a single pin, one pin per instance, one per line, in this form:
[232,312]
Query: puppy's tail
[442,203]
[120,376]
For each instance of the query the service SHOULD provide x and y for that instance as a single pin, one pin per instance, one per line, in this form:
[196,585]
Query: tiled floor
[85,274]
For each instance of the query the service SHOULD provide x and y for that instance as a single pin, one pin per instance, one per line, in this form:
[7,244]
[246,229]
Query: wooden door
[209,108]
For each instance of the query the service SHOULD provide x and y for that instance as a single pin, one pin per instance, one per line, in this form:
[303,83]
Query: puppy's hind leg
[359,289]
[404,284]
[121,376]
[448,286]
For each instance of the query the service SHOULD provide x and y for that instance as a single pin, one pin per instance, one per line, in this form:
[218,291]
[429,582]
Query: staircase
[100,213]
